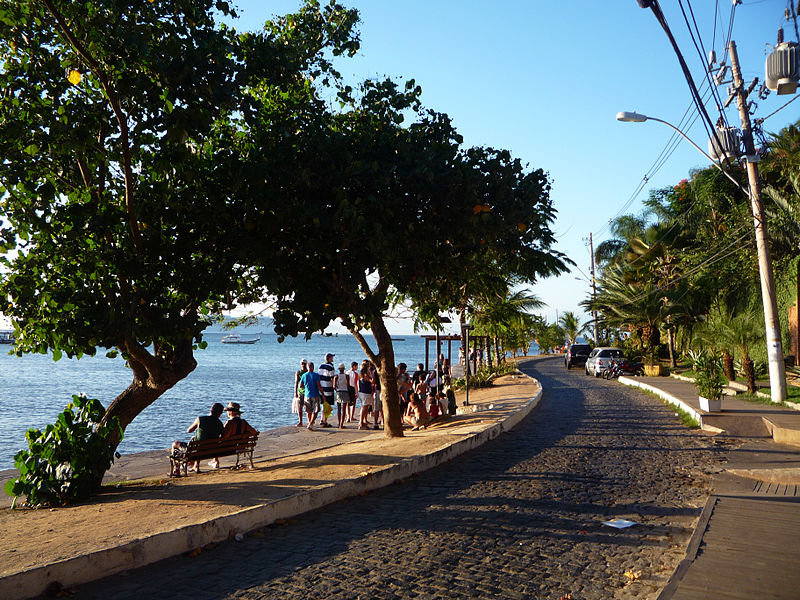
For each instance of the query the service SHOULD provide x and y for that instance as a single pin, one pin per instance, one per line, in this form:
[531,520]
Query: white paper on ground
[620,523]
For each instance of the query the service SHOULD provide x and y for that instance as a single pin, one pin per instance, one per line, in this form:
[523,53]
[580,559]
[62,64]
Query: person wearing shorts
[313,389]
[342,395]
[352,385]
[365,391]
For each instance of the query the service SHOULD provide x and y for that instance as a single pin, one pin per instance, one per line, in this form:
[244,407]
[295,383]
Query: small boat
[235,338]
[6,337]
[394,339]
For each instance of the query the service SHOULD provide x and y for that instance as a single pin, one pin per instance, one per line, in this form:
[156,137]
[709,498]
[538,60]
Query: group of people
[423,396]
[209,427]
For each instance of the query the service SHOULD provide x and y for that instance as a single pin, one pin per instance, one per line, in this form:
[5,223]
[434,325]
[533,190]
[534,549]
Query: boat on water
[235,338]
[6,337]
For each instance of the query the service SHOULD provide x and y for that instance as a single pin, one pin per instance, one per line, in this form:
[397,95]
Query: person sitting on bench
[236,425]
[206,427]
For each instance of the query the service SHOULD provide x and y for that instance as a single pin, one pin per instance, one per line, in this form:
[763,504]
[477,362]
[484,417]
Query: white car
[600,358]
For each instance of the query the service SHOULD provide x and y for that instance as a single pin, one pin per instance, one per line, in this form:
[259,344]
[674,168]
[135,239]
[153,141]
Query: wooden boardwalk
[747,541]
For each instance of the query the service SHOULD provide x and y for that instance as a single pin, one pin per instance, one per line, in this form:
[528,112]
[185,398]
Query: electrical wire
[662,20]
[719,255]
[759,121]
[669,148]
[701,51]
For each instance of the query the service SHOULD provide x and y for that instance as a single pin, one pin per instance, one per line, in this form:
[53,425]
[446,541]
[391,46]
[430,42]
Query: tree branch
[122,120]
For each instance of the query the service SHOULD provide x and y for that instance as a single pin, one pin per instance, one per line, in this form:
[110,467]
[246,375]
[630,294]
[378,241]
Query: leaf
[56,355]
[74,77]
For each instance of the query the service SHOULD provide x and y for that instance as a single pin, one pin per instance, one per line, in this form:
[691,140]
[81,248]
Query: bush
[65,462]
[710,379]
[484,376]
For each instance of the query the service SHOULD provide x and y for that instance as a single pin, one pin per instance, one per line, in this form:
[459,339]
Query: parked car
[600,358]
[576,355]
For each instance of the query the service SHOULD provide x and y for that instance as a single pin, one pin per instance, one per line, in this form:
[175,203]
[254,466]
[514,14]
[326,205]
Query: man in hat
[236,425]
[326,374]
[206,427]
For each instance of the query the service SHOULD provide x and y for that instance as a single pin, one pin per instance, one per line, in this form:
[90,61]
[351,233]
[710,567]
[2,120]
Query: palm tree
[571,325]
[639,305]
[717,332]
[504,318]
[745,331]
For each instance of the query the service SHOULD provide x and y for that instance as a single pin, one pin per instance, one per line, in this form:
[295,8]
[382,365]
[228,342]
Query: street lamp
[777,372]
[634,117]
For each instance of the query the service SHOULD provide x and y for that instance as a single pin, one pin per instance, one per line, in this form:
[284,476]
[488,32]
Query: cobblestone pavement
[519,517]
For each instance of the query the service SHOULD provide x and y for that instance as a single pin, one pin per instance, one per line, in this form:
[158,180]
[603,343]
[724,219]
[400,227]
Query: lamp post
[465,337]
[777,372]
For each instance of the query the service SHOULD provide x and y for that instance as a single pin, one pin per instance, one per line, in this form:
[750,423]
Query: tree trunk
[500,356]
[749,374]
[152,376]
[388,373]
[671,337]
[727,365]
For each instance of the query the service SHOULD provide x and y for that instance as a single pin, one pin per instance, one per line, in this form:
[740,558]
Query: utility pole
[777,371]
[594,289]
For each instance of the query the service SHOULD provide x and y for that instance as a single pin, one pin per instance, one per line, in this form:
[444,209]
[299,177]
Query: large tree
[388,214]
[120,217]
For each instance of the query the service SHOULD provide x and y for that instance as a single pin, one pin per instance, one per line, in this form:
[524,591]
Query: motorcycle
[622,367]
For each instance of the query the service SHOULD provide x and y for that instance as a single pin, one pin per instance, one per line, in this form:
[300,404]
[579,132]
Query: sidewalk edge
[697,416]
[691,550]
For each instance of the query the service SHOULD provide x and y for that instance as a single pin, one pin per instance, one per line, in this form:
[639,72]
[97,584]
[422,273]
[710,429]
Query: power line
[701,50]
[707,262]
[669,148]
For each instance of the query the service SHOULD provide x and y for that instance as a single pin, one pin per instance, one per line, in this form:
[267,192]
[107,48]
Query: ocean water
[34,388]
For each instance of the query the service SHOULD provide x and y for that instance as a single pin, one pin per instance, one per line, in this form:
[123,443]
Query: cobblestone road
[518,518]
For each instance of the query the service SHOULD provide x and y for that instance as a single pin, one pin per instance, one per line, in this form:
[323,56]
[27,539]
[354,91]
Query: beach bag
[296,405]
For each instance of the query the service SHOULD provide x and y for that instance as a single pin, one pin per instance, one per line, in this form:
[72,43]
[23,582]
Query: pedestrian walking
[342,395]
[352,385]
[326,373]
[299,392]
[313,394]
[365,392]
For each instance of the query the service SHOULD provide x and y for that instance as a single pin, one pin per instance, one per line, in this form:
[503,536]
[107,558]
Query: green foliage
[127,191]
[710,379]
[64,462]
[698,358]
[484,376]
[548,335]
[759,369]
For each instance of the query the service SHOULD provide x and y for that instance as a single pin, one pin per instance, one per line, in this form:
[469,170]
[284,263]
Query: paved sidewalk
[746,543]
[298,471]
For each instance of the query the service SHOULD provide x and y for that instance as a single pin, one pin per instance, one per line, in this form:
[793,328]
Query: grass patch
[684,416]
[135,483]
[792,397]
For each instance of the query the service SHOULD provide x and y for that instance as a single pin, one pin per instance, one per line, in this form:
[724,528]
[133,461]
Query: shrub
[65,462]
[484,376]
[710,379]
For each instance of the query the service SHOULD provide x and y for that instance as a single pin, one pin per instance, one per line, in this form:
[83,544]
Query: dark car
[576,355]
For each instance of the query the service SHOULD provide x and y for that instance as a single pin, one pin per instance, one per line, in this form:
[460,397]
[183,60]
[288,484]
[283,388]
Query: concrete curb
[145,551]
[697,416]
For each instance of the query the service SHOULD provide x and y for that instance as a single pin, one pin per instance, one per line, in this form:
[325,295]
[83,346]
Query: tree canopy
[158,167]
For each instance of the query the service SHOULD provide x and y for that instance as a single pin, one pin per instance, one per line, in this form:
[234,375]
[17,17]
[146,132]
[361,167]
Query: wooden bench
[200,450]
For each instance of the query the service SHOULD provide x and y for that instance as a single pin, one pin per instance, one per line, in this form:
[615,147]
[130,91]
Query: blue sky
[545,80]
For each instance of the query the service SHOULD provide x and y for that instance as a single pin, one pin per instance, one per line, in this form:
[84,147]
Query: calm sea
[34,389]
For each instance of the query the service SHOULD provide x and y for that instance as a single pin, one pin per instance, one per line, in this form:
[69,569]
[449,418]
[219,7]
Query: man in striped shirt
[326,372]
